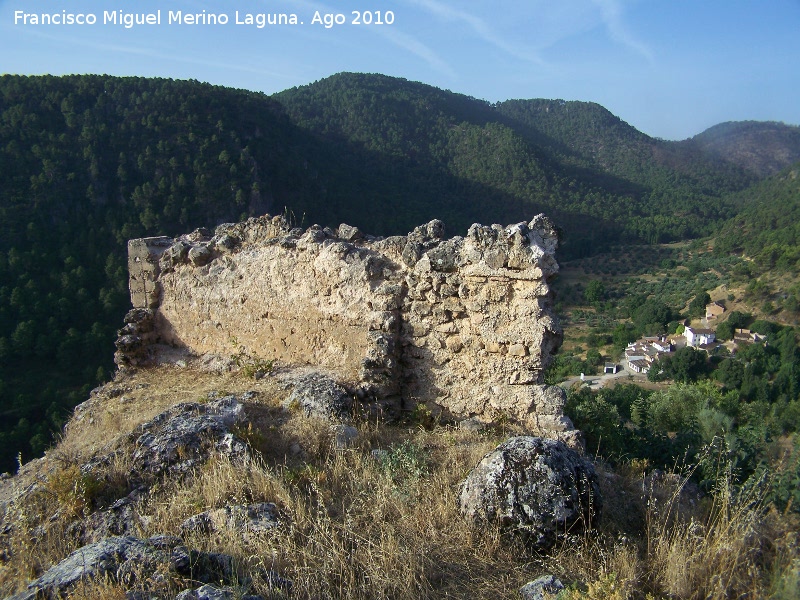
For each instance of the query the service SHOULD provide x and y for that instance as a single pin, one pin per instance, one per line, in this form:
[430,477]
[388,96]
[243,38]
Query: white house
[663,345]
[642,353]
[697,337]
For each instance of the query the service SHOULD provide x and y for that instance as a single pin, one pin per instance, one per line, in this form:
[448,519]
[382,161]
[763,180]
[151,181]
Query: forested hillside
[768,226]
[88,162]
[600,178]
[761,148]
[589,137]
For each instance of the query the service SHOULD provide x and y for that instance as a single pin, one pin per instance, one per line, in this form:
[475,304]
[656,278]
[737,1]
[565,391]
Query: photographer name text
[129,20]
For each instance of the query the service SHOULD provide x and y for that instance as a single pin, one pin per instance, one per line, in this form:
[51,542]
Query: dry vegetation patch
[379,518]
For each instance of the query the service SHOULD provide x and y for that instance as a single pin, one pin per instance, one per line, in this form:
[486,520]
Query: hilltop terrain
[92,161]
[373,513]
[217,470]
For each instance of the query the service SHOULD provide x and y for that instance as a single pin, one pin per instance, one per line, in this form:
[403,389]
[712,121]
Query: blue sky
[670,68]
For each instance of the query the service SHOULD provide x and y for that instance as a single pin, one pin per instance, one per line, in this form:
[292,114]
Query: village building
[745,336]
[639,366]
[714,310]
[661,344]
[642,353]
[696,336]
[742,337]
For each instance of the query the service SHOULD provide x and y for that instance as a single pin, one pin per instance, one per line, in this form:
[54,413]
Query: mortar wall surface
[463,324]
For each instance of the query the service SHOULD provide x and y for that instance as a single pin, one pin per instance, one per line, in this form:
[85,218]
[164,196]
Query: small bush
[408,461]
[75,492]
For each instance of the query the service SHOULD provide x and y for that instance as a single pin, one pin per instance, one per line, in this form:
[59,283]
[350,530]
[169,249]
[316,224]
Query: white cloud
[480,27]
[416,47]
[611,11]
[403,40]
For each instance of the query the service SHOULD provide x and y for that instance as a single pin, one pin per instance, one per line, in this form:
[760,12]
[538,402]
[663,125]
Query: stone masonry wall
[462,324]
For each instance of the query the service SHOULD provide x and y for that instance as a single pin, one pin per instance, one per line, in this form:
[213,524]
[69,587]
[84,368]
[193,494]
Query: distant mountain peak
[760,147]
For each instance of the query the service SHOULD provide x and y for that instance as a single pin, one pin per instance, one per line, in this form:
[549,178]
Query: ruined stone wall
[143,269]
[462,324]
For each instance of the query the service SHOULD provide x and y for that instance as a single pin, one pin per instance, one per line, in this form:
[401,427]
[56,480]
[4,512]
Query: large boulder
[537,487]
[185,435]
[318,395]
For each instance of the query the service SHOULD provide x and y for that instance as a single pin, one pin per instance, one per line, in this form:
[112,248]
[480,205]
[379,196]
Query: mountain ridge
[786,154]
[772,145]
[92,161]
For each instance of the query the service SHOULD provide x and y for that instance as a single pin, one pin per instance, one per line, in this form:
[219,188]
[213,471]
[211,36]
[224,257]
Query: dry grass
[718,553]
[103,589]
[36,541]
[354,525]
[134,400]
[659,543]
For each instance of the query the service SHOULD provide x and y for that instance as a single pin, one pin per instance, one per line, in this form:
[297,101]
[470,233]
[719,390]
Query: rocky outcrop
[542,588]
[181,438]
[121,518]
[318,395]
[211,592]
[171,445]
[245,520]
[462,324]
[140,563]
[539,488]
[185,435]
